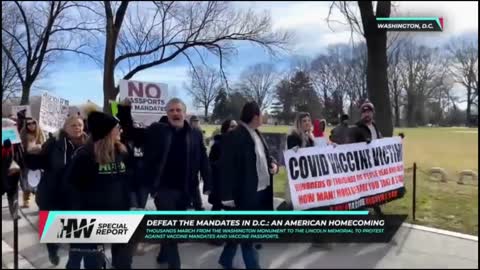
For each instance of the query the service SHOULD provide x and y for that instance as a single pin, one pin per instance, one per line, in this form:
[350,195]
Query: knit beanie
[367,105]
[100,124]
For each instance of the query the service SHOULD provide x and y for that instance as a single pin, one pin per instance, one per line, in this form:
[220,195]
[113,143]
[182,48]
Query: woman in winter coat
[52,157]
[300,136]
[98,180]
[31,136]
[214,158]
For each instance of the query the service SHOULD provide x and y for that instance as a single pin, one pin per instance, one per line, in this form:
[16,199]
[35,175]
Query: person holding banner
[99,181]
[31,136]
[301,136]
[52,157]
[366,130]
[247,171]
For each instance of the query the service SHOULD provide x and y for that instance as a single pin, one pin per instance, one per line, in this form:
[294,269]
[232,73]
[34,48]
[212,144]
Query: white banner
[53,112]
[16,109]
[321,141]
[346,176]
[148,100]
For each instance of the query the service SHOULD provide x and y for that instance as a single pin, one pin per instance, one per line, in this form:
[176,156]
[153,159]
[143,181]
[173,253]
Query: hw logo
[70,227]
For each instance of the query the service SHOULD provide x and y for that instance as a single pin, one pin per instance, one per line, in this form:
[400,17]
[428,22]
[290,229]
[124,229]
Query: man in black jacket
[366,130]
[174,154]
[247,170]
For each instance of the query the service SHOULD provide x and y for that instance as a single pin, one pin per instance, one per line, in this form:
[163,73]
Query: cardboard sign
[53,112]
[148,100]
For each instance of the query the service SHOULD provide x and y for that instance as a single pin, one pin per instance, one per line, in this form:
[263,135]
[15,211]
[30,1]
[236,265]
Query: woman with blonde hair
[52,158]
[301,134]
[31,136]
[99,181]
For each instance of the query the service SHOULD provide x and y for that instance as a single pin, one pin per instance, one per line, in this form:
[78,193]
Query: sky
[79,80]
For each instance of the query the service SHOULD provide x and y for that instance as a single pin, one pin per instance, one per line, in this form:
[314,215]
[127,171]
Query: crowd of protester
[118,165]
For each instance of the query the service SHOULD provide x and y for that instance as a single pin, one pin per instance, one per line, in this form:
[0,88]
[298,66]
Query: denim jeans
[249,253]
[92,258]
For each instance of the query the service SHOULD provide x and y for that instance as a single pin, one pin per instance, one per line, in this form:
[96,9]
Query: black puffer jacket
[98,187]
[56,153]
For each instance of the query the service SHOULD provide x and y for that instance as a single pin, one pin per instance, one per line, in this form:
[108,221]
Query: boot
[26,199]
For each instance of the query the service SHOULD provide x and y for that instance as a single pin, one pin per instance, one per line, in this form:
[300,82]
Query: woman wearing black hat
[99,181]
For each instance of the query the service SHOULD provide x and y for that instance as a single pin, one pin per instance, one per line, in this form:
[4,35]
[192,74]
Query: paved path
[412,247]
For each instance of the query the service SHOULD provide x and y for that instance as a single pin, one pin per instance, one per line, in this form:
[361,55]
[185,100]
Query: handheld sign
[53,112]
[10,133]
[34,177]
[148,100]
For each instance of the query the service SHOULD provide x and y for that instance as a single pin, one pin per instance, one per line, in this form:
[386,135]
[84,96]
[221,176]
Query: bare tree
[10,82]
[142,35]
[258,83]
[376,39]
[395,70]
[46,29]
[205,84]
[424,73]
[463,65]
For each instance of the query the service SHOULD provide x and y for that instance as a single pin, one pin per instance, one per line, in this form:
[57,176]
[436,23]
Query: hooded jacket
[56,153]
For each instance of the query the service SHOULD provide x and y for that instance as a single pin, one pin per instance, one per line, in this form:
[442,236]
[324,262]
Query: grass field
[447,205]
